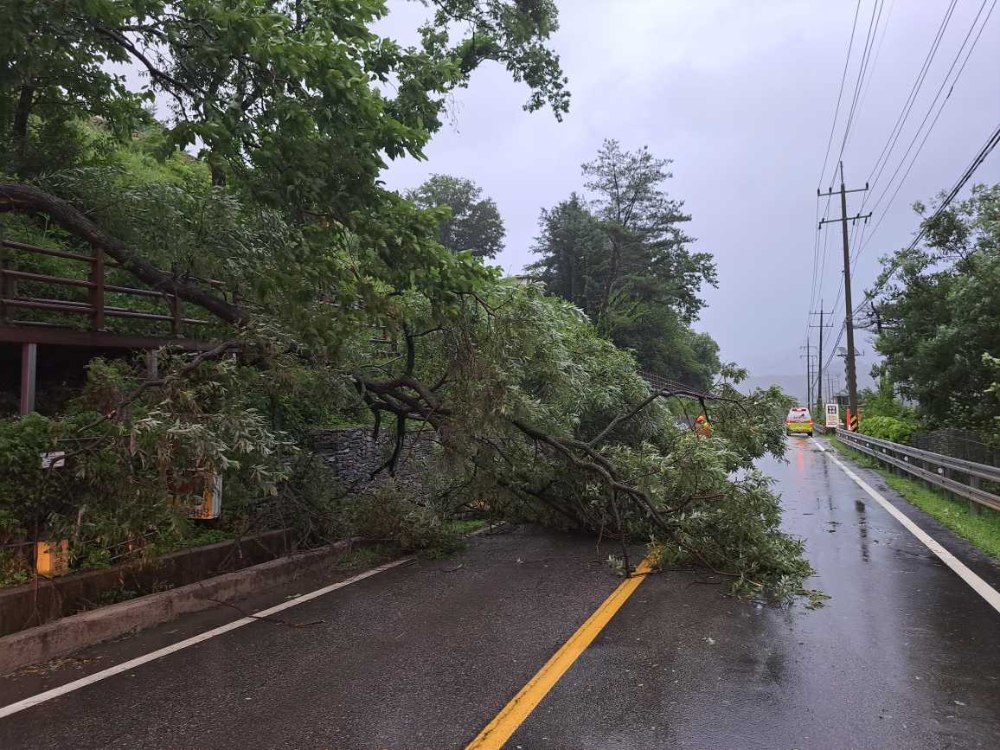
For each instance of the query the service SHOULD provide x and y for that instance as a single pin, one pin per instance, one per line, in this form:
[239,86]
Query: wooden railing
[96,307]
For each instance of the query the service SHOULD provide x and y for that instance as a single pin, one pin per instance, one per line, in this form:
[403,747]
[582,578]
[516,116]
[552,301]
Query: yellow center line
[498,731]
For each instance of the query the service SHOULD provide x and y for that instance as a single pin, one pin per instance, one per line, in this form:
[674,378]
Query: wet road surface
[903,655]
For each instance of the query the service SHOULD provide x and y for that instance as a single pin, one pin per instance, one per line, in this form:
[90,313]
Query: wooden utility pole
[808,358]
[819,386]
[852,379]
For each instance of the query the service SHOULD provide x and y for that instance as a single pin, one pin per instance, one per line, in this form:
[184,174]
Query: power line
[977,161]
[812,291]
[818,270]
[826,237]
[862,68]
[840,95]
[878,52]
[826,158]
[910,99]
[937,96]
[944,82]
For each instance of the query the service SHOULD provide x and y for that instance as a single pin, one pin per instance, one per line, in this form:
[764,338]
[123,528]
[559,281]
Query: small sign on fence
[52,558]
[54,460]
[832,415]
[205,493]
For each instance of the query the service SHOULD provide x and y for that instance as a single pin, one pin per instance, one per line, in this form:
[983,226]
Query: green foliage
[538,414]
[27,497]
[289,106]
[386,515]
[121,473]
[888,428]
[883,403]
[474,223]
[938,318]
[530,380]
[14,569]
[624,261]
[993,392]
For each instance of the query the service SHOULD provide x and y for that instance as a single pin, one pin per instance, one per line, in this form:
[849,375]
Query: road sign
[832,415]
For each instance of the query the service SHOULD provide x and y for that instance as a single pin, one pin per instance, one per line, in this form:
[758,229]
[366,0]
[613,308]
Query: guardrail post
[97,291]
[974,508]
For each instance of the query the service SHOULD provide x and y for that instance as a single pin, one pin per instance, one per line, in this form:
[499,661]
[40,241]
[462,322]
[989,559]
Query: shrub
[385,515]
[889,428]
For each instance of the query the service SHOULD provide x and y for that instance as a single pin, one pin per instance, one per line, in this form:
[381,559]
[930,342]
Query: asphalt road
[903,655]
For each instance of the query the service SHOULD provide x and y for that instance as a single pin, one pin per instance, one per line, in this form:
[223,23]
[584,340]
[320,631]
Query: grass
[370,555]
[982,530]
[366,557]
[463,528]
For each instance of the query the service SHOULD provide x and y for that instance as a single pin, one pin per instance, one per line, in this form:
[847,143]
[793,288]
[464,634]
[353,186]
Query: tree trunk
[31,200]
[616,251]
[24,102]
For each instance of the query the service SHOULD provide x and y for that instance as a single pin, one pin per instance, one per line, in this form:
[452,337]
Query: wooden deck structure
[170,330]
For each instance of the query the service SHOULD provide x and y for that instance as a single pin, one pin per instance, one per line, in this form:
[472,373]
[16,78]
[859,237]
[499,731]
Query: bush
[385,515]
[889,428]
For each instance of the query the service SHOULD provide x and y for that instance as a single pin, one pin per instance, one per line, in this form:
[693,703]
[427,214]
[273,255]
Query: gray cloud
[741,96]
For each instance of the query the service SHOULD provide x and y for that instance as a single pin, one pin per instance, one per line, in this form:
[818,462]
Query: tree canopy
[622,256]
[937,315]
[474,223]
[265,177]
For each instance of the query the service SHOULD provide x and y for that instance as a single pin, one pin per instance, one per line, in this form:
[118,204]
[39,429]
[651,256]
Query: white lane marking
[990,594]
[127,666]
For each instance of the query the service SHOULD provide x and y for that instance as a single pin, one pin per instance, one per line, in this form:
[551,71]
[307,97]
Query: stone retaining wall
[353,455]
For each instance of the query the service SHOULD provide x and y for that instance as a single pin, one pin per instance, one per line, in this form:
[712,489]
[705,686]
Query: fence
[94,286]
[962,444]
[657,383]
[961,478]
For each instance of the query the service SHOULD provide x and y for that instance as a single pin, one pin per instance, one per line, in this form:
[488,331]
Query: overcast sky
[741,95]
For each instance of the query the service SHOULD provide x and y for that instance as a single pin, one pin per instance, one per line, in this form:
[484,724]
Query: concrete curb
[61,637]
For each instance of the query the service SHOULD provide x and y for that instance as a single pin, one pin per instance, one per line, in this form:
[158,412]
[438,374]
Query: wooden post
[4,279]
[8,289]
[974,507]
[97,291]
[152,364]
[29,366]
[175,311]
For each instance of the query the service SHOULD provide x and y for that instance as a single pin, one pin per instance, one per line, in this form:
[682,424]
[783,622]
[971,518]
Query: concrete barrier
[64,636]
[30,605]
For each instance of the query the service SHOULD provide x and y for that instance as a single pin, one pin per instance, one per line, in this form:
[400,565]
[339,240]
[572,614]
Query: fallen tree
[549,421]
[538,416]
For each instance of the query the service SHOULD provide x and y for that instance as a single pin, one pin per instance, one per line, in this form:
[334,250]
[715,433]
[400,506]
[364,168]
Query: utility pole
[808,356]
[819,386]
[852,379]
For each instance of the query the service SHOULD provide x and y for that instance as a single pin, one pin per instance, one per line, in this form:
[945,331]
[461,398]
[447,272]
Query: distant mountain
[793,385]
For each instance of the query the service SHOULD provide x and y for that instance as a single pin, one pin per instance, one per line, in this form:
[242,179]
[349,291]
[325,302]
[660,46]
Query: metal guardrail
[954,475]
[657,383]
